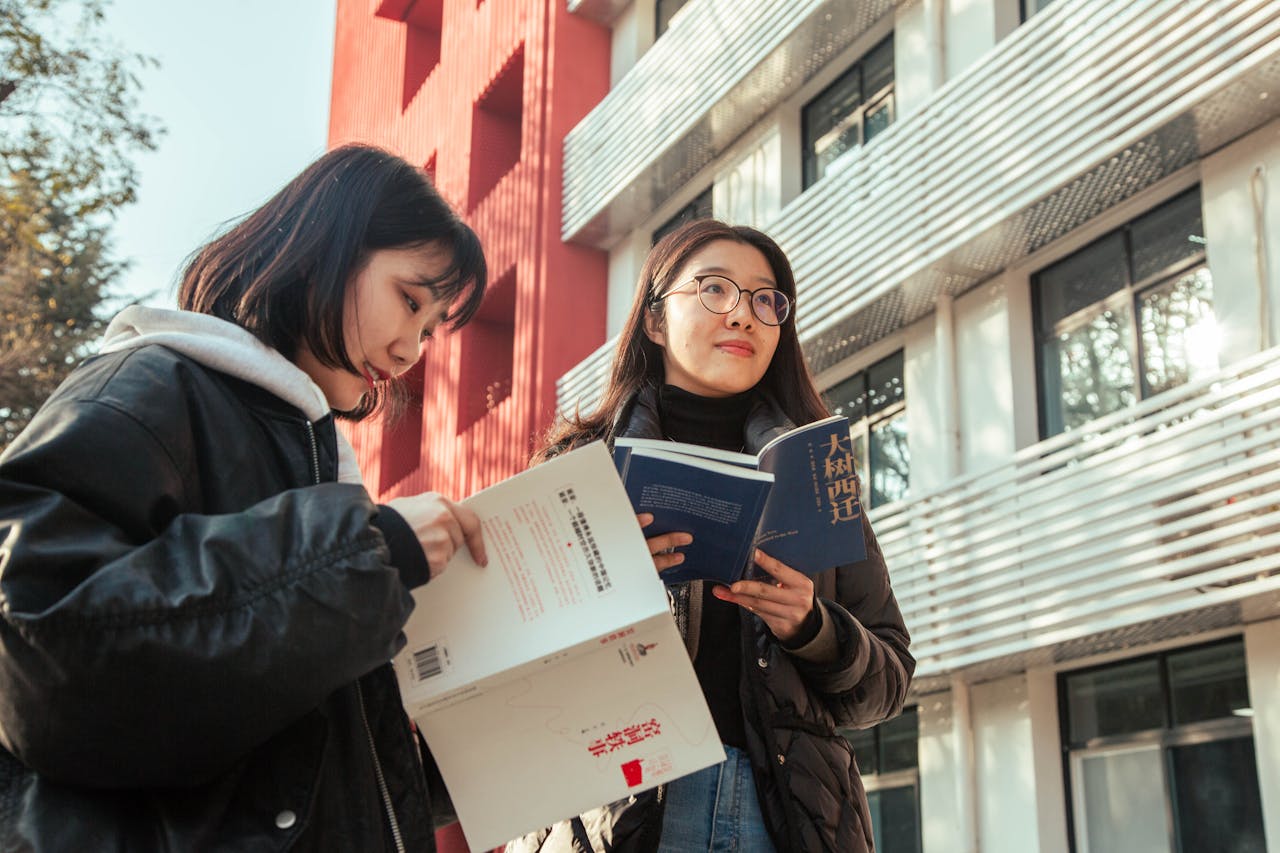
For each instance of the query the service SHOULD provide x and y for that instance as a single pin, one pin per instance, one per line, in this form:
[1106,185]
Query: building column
[1262,662]
[1046,757]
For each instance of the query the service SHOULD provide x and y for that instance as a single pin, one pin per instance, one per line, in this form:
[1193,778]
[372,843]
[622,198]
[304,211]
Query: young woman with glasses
[709,355]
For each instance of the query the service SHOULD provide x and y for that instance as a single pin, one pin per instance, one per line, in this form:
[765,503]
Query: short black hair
[282,271]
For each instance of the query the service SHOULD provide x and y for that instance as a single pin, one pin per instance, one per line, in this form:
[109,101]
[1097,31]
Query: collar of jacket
[639,418]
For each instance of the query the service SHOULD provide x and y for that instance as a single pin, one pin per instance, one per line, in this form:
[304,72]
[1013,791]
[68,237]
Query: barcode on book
[430,661]
[586,541]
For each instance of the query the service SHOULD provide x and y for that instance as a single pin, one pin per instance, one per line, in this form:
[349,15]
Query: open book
[798,500]
[554,679]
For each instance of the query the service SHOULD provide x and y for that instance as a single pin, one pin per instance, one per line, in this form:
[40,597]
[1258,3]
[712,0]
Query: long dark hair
[282,271]
[638,360]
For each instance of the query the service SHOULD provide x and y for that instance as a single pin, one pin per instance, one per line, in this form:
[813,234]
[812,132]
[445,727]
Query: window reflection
[1126,317]
[874,400]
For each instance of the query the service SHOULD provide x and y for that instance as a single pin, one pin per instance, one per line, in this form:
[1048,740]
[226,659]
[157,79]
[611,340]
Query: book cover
[813,518]
[561,653]
[720,503]
[810,515]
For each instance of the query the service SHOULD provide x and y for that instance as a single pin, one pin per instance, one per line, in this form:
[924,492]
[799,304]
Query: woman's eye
[412,303]
[712,287]
[427,334]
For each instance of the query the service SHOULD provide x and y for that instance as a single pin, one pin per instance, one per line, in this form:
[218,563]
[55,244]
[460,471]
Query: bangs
[464,281]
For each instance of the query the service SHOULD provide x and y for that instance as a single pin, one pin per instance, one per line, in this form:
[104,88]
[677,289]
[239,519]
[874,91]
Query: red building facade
[481,93]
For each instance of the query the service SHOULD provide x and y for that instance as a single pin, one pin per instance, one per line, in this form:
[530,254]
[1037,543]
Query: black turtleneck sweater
[713,422]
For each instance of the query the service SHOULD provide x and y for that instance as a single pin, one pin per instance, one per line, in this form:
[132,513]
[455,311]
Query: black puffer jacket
[808,784]
[195,624]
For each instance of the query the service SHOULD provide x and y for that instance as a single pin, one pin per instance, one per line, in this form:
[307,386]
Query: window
[1161,754]
[699,208]
[665,12]
[402,438]
[497,126]
[423,22]
[874,400]
[1126,317]
[849,112]
[887,759]
[488,353]
[1030,7]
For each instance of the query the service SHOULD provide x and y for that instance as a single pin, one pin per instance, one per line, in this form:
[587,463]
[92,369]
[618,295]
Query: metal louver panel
[1158,520]
[702,84]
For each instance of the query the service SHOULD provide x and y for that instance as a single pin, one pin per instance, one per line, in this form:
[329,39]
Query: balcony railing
[1163,510]
[704,82]
[1087,104]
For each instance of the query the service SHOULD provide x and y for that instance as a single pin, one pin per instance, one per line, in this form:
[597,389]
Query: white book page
[705,464]
[623,717]
[742,460]
[567,564]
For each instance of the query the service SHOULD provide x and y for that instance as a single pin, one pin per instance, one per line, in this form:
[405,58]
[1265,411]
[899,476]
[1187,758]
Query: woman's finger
[664,561]
[472,534]
[778,570]
[668,541]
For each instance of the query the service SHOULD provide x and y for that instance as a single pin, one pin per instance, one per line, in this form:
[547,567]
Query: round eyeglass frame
[698,279]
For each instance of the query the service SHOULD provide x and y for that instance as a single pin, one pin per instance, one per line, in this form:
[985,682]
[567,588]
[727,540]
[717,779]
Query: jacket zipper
[315,452]
[364,716]
[377,770]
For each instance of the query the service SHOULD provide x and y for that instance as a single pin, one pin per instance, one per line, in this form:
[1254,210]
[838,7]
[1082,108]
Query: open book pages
[554,679]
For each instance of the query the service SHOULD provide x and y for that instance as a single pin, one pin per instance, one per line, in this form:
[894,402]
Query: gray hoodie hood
[227,348]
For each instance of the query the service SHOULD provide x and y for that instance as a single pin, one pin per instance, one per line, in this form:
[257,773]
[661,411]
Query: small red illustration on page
[632,772]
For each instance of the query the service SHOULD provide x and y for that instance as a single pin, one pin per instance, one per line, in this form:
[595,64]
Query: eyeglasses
[720,295]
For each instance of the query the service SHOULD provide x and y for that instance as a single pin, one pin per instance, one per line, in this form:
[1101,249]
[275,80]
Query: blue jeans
[715,809]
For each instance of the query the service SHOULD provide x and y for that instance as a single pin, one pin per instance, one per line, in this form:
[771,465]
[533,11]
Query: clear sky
[243,88]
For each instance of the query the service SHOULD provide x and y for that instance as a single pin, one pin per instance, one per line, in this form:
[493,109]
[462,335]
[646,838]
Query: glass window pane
[863,742]
[860,455]
[890,460]
[1030,7]
[1171,233]
[879,116]
[899,738]
[1124,698]
[1088,372]
[1217,807]
[1078,281]
[832,123]
[1208,683]
[849,398]
[877,68]
[666,11]
[895,819]
[1124,802]
[884,383]
[699,208]
[1179,332]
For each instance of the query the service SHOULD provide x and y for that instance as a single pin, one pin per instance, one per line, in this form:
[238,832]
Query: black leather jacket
[807,781]
[195,624]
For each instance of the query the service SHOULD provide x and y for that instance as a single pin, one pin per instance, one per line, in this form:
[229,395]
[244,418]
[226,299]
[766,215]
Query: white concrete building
[1038,251]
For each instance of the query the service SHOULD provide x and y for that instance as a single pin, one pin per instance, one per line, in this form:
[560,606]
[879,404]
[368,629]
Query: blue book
[798,501]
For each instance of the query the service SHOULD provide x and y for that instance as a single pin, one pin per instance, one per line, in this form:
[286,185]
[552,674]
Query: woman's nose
[407,350]
[741,314]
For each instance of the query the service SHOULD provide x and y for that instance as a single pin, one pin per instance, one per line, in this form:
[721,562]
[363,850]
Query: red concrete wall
[481,93]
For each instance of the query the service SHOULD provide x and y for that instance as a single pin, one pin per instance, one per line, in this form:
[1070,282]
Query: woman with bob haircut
[709,355]
[200,598]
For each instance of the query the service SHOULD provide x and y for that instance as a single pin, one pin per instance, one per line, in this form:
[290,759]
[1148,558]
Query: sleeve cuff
[822,645]
[406,550]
